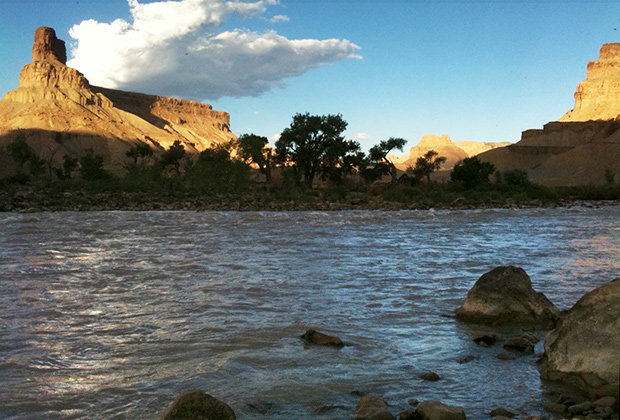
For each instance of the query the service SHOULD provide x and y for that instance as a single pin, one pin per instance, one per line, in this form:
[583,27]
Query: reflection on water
[111,314]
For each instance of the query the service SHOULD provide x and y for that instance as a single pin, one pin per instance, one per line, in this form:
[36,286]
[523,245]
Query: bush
[91,167]
[516,177]
[472,172]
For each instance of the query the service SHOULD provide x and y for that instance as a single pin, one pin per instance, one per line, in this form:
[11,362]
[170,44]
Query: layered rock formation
[584,144]
[60,113]
[452,150]
[598,97]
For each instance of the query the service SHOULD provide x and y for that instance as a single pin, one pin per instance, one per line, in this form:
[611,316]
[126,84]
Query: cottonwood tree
[314,145]
[427,164]
[140,150]
[472,172]
[173,156]
[254,149]
[379,161]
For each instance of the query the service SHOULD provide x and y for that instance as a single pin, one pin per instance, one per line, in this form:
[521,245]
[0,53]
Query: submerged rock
[372,408]
[504,296]
[584,349]
[196,405]
[524,343]
[430,376]
[500,411]
[315,337]
[436,410]
[486,340]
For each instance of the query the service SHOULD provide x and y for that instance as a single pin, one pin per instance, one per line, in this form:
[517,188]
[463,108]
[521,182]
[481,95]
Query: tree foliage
[254,149]
[472,172]
[378,161]
[215,171]
[314,145]
[173,156]
[139,151]
[21,152]
[427,164]
[91,167]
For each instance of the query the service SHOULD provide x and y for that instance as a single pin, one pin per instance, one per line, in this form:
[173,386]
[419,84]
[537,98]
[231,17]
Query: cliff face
[584,144]
[598,97]
[57,109]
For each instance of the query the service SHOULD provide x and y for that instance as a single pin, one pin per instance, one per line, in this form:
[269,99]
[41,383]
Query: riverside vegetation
[311,167]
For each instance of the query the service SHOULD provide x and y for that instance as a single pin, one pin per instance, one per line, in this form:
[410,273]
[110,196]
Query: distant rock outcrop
[584,144]
[444,146]
[60,113]
[598,97]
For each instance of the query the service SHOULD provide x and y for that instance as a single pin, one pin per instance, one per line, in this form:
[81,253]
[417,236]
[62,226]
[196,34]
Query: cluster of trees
[312,147]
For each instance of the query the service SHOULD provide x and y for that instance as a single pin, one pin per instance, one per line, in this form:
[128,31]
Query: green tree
[472,172]
[215,171]
[516,178]
[70,164]
[314,144]
[254,149]
[20,152]
[379,161]
[173,156]
[91,167]
[427,164]
[140,150]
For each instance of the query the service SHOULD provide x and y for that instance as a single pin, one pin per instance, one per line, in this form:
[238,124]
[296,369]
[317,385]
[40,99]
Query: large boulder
[196,405]
[436,410]
[584,349]
[505,296]
[372,408]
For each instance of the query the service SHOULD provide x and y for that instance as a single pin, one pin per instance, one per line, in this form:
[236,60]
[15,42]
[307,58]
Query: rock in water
[318,338]
[196,405]
[372,408]
[504,296]
[524,343]
[584,349]
[435,410]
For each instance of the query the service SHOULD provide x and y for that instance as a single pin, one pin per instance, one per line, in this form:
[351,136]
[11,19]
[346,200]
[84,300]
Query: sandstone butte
[61,113]
[583,144]
[444,146]
[575,150]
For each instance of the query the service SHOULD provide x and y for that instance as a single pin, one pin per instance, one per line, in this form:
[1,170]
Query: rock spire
[47,46]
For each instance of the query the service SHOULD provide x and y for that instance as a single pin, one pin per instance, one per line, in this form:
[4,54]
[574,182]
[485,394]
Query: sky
[475,70]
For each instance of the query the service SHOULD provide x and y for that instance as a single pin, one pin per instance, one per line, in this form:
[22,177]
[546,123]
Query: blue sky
[475,70]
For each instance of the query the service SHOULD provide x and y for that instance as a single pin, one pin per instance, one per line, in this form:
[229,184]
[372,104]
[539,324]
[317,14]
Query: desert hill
[452,150]
[584,144]
[60,113]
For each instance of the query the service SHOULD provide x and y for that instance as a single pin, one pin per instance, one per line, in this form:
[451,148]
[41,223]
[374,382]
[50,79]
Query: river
[108,315]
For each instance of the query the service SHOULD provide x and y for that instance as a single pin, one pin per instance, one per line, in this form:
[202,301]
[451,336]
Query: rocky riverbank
[28,199]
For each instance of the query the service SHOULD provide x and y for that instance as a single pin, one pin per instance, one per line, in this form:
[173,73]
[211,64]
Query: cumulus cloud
[176,48]
[279,18]
[362,136]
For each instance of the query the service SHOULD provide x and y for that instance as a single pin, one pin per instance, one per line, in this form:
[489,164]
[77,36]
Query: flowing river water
[108,315]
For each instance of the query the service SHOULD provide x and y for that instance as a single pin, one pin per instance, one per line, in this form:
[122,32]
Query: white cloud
[362,136]
[279,18]
[174,48]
